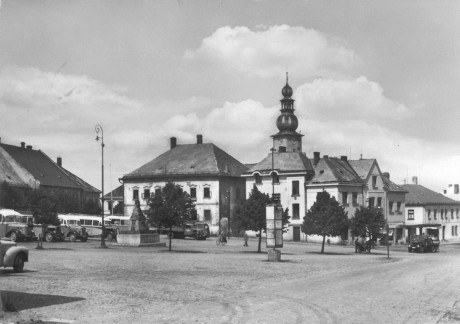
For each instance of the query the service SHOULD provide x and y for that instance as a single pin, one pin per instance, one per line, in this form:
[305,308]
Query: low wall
[151,239]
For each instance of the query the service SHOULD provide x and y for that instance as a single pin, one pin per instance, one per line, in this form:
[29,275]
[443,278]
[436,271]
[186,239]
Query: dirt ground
[200,282]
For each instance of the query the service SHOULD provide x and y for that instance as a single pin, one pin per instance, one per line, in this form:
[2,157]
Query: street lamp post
[98,129]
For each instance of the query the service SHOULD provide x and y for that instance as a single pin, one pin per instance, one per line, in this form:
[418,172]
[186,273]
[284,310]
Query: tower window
[258,178]
[282,149]
[193,193]
[295,211]
[275,177]
[295,188]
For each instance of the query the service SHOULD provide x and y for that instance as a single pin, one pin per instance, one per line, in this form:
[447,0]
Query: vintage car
[12,255]
[196,230]
[423,243]
[19,227]
[51,233]
[72,229]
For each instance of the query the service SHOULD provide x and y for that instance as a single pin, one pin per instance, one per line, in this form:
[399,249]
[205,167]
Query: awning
[423,225]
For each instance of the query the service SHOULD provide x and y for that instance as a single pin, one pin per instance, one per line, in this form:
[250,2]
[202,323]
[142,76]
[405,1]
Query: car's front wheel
[13,237]
[18,265]
[49,237]
[72,237]
[110,237]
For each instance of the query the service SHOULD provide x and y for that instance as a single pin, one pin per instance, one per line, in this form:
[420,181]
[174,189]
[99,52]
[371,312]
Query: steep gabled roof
[363,167]
[45,170]
[391,186]
[191,159]
[283,162]
[331,170]
[419,195]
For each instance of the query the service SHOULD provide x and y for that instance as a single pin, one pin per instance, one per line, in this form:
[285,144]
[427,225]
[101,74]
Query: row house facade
[431,213]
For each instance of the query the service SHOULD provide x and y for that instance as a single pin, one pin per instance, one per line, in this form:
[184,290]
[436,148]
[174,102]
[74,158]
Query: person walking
[245,239]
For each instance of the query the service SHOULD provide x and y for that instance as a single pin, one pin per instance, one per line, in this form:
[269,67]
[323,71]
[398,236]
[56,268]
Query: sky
[371,79]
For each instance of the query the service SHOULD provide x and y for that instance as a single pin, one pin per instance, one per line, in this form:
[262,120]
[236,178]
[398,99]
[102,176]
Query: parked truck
[423,243]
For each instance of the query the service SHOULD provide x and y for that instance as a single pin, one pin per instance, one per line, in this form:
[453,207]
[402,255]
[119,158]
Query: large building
[287,171]
[24,168]
[429,212]
[211,176]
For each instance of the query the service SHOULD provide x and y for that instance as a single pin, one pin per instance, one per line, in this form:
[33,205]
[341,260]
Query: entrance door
[296,234]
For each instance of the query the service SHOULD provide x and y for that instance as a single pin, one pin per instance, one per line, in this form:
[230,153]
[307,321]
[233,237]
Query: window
[429,214]
[275,177]
[295,211]
[453,230]
[398,207]
[374,181]
[146,194]
[371,202]
[410,214]
[207,215]
[207,192]
[355,198]
[135,194]
[193,193]
[456,230]
[456,191]
[379,202]
[451,214]
[157,191]
[238,193]
[456,212]
[295,188]
[258,178]
[434,214]
[390,207]
[344,198]
[442,213]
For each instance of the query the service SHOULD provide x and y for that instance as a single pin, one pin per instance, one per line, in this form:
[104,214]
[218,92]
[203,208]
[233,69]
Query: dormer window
[275,177]
[374,182]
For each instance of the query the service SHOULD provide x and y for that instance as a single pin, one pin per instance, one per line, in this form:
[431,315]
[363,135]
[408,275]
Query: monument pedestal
[274,255]
[137,239]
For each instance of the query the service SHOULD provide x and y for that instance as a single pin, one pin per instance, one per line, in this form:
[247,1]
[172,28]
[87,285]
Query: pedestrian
[356,245]
[245,239]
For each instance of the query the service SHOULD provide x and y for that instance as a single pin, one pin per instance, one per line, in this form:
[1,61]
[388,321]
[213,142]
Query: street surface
[200,282]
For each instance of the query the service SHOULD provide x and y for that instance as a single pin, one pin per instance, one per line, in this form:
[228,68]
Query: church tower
[287,140]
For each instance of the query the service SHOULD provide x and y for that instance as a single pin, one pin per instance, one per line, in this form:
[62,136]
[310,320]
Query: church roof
[44,170]
[419,195]
[283,162]
[191,159]
[332,170]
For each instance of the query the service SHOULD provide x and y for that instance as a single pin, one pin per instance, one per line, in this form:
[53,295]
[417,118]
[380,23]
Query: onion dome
[286,91]
[287,122]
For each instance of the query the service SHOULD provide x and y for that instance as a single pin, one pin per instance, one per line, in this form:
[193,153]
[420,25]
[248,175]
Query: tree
[171,208]
[119,208]
[367,221]
[44,210]
[325,218]
[252,213]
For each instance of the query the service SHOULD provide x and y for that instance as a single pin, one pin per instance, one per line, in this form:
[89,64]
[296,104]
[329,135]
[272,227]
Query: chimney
[29,147]
[173,142]
[199,139]
[315,158]
[59,161]
[344,158]
[23,144]
[414,180]
[386,175]
[326,157]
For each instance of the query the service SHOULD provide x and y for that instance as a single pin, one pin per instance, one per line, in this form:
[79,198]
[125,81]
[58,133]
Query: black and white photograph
[229,161]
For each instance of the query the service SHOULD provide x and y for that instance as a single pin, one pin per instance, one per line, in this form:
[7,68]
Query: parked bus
[92,224]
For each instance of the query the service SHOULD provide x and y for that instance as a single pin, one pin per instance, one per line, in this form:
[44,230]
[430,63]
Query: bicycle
[221,240]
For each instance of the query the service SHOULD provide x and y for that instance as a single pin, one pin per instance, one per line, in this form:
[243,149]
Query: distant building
[452,191]
[25,168]
[112,199]
[211,176]
[429,212]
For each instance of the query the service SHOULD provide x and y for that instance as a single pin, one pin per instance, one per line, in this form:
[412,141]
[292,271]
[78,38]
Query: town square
[248,161]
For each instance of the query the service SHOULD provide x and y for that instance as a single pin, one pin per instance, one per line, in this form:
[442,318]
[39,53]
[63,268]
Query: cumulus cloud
[266,52]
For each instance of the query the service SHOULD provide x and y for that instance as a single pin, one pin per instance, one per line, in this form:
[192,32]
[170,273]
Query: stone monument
[138,233]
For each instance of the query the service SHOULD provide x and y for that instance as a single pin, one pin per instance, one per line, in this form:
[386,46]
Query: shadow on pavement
[181,251]
[17,301]
[329,253]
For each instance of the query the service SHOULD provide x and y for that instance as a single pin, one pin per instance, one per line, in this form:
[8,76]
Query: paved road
[200,282]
